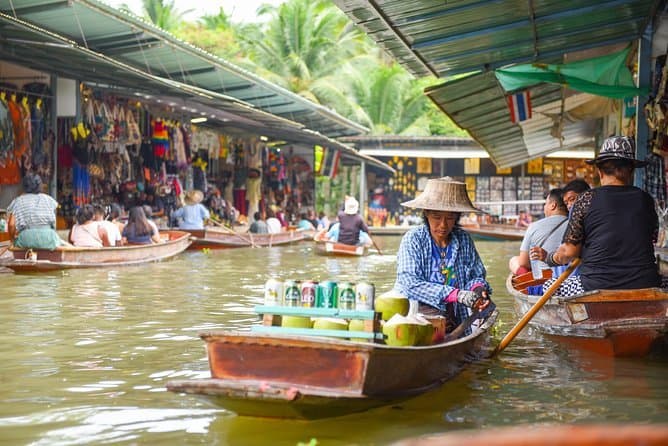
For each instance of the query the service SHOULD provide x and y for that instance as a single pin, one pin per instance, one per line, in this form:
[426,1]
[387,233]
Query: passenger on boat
[523,219]
[572,191]
[323,221]
[612,228]
[31,218]
[333,236]
[437,262]
[113,234]
[546,233]
[351,223]
[138,231]
[114,216]
[273,223]
[155,202]
[258,226]
[86,232]
[193,214]
[304,224]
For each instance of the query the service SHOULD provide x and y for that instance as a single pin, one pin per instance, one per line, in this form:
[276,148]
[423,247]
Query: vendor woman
[437,262]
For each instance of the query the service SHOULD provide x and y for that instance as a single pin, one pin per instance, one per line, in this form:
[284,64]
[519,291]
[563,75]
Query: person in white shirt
[113,234]
[273,223]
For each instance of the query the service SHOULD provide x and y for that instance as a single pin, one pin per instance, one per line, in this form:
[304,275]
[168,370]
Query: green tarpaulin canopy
[603,76]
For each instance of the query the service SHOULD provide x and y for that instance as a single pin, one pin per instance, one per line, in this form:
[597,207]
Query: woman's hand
[537,253]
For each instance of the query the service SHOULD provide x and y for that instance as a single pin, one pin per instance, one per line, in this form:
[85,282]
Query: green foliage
[163,13]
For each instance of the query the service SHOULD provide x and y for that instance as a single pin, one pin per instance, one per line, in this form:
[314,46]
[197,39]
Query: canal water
[86,354]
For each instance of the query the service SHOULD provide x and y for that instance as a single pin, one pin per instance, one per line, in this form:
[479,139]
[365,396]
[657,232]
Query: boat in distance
[215,238]
[495,231]
[629,323]
[311,377]
[35,260]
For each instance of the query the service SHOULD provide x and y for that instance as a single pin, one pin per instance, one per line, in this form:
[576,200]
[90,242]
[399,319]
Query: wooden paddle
[375,245]
[537,306]
[231,231]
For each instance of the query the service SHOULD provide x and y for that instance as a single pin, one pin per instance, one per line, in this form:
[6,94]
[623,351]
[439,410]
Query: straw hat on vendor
[437,262]
[193,197]
[351,206]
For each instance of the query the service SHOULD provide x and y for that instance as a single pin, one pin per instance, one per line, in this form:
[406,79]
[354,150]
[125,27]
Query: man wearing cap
[612,228]
[437,262]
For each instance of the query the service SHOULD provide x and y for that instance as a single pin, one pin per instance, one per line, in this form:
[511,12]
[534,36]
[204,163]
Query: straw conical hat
[194,196]
[443,194]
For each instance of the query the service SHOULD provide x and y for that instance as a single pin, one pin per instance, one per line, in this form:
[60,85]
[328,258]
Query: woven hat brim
[424,204]
[600,159]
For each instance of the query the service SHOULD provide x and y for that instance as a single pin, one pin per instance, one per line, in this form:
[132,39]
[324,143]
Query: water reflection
[87,354]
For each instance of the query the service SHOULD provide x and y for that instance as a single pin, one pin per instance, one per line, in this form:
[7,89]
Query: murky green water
[85,356]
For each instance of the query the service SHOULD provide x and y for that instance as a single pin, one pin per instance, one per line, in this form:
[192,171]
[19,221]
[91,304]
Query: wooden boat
[291,376]
[216,238]
[609,322]
[389,230]
[73,257]
[554,435]
[495,231]
[340,249]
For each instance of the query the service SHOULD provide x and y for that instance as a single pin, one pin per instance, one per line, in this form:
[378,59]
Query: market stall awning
[36,48]
[478,104]
[126,38]
[444,38]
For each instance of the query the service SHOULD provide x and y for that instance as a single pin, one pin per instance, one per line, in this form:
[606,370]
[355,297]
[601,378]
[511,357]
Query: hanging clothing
[655,178]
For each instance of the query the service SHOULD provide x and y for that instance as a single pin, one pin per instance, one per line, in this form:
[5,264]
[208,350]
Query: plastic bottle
[536,267]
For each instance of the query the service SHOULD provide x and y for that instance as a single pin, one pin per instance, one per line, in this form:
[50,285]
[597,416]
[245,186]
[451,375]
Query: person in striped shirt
[32,217]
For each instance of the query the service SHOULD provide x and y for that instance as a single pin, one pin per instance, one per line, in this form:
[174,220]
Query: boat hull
[629,323]
[213,238]
[495,232]
[177,242]
[340,249]
[311,377]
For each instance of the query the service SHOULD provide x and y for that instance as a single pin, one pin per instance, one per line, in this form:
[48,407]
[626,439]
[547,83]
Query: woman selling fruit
[437,262]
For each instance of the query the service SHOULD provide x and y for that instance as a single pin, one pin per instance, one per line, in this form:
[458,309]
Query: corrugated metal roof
[31,46]
[444,38]
[103,29]
[478,104]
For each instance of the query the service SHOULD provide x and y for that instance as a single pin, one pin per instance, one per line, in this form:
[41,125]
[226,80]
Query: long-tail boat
[35,260]
[495,231]
[217,238]
[329,248]
[609,322]
[269,374]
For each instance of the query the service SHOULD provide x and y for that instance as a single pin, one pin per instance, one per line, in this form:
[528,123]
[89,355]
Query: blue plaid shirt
[415,277]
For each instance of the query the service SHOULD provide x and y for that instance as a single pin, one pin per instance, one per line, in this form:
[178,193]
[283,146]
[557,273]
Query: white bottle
[536,267]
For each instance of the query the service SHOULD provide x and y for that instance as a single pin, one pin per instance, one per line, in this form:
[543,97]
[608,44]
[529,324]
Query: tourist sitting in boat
[351,224]
[31,218]
[523,219]
[323,221]
[113,234]
[193,214]
[304,224]
[258,226]
[148,211]
[437,262]
[155,202]
[273,224]
[333,236]
[612,228]
[86,232]
[114,216]
[138,231]
[572,191]
[546,233]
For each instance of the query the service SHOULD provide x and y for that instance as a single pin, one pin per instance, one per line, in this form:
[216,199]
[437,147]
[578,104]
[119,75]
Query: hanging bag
[134,134]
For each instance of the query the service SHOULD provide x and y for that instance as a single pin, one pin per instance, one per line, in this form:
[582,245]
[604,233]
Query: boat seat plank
[315,332]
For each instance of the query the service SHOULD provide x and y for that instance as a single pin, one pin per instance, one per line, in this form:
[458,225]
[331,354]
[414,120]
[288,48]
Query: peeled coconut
[391,303]
[328,323]
[296,322]
[357,325]
[425,330]
[400,331]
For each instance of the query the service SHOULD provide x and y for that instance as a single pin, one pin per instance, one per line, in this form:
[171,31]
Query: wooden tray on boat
[175,243]
[610,322]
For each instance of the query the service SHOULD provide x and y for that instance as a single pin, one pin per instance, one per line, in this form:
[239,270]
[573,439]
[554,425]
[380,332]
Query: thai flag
[520,106]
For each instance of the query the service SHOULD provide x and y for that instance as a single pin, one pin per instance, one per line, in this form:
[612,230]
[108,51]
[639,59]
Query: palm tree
[163,14]
[220,21]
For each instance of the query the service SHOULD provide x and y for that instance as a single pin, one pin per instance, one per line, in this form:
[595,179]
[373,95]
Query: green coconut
[425,330]
[328,323]
[296,322]
[357,325]
[391,303]
[401,332]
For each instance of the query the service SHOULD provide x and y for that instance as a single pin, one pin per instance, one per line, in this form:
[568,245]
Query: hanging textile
[603,76]
[655,179]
